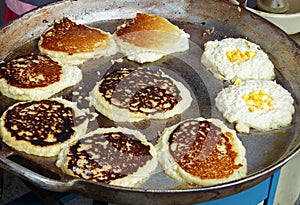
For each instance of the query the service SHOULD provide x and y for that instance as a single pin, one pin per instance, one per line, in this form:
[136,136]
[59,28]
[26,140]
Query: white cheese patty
[236,58]
[259,104]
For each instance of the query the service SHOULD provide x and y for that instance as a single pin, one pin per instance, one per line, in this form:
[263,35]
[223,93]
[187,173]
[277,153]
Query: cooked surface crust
[41,127]
[72,44]
[147,91]
[128,154]
[202,152]
[36,77]
[117,156]
[148,38]
[31,71]
[135,94]
[145,22]
[67,36]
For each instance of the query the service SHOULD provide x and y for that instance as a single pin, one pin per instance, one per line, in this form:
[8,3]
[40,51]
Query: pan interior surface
[204,21]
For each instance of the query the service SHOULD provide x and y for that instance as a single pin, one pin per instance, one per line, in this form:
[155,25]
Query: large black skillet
[204,20]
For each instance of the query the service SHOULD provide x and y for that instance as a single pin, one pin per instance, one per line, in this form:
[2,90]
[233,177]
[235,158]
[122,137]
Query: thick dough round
[42,127]
[202,151]
[116,156]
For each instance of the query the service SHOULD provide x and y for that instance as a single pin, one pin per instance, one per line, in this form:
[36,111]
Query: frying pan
[204,20]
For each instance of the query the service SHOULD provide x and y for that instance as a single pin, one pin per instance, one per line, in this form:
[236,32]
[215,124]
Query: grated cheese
[258,100]
[237,55]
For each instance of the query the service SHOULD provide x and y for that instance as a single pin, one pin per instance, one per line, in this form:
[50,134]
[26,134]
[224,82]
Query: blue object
[264,191]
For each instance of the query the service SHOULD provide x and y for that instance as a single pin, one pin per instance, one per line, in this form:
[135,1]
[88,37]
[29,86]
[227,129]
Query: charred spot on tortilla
[42,127]
[36,77]
[134,94]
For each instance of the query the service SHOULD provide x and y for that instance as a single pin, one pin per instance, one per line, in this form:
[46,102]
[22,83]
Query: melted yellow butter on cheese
[237,82]
[237,55]
[258,100]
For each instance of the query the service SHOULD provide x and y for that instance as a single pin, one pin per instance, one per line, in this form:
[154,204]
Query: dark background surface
[1,12]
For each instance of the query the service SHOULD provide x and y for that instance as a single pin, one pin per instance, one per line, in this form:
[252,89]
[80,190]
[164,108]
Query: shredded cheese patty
[237,58]
[258,104]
